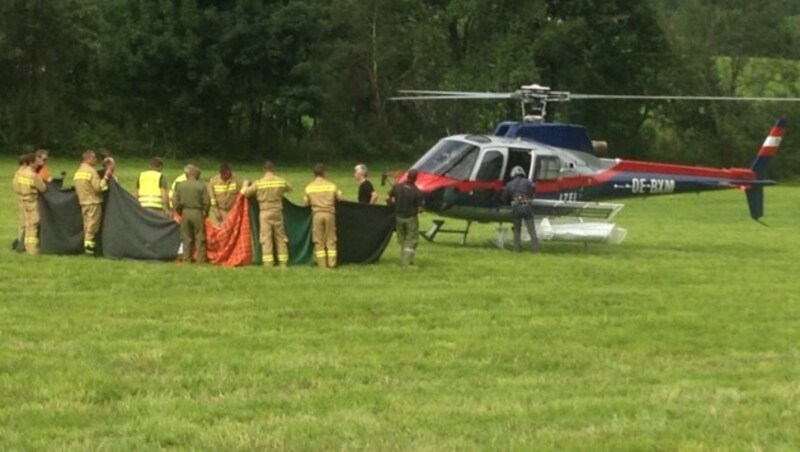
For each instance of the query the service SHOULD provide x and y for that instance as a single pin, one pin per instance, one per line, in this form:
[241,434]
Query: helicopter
[462,175]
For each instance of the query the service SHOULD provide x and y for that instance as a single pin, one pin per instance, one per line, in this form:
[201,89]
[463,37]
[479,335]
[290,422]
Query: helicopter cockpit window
[491,166]
[462,168]
[447,158]
[548,168]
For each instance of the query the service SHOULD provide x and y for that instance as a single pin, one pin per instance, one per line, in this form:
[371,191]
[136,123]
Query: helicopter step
[438,228]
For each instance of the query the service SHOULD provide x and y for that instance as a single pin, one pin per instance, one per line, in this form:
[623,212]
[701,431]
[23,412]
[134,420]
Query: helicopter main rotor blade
[452,93]
[711,98]
[454,97]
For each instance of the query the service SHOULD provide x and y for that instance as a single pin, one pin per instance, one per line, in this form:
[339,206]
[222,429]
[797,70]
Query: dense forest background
[310,79]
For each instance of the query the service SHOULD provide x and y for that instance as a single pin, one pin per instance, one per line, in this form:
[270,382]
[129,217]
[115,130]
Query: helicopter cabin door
[546,176]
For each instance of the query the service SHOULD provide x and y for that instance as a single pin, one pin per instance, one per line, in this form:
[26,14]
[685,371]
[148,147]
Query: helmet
[517,171]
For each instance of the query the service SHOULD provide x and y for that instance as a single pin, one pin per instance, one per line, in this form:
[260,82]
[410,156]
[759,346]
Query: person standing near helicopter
[519,192]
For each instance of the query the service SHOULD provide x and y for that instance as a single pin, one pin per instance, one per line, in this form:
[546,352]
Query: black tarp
[127,231]
[61,225]
[363,231]
[130,231]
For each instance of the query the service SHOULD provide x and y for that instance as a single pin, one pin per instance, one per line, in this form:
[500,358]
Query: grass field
[684,337]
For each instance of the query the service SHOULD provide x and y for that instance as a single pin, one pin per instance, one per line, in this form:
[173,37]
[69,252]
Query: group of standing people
[191,201]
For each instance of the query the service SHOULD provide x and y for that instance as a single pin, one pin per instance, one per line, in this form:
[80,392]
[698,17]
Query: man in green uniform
[407,200]
[269,191]
[192,204]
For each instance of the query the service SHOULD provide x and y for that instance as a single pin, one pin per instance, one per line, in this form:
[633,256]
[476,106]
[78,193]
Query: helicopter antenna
[534,98]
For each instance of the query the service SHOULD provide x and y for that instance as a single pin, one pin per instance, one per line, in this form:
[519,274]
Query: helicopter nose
[428,183]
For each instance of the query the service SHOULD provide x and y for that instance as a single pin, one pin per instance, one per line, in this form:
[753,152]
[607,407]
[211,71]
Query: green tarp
[363,232]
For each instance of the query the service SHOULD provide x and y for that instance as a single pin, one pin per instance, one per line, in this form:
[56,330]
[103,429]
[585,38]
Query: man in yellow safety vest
[151,188]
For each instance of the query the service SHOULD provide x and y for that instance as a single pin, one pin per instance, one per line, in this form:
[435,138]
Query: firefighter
[519,191]
[192,202]
[29,185]
[223,189]
[269,191]
[152,188]
[407,201]
[24,161]
[40,163]
[322,195]
[89,187]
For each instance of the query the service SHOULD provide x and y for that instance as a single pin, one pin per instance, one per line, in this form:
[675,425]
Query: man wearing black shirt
[407,200]
[366,192]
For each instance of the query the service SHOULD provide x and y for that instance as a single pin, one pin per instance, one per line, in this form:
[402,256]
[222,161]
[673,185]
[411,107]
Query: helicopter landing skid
[438,227]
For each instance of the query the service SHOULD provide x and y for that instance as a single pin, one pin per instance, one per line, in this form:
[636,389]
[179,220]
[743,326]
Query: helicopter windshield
[449,158]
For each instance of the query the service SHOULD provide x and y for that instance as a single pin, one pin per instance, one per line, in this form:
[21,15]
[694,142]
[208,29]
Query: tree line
[310,79]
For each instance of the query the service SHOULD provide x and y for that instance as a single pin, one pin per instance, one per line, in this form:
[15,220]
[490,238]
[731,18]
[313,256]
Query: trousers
[273,237]
[92,214]
[523,213]
[30,213]
[323,234]
[408,237]
[193,232]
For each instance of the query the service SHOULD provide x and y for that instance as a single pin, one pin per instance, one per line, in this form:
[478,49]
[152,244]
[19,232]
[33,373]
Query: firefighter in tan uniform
[25,160]
[322,195]
[28,185]
[223,189]
[90,187]
[269,191]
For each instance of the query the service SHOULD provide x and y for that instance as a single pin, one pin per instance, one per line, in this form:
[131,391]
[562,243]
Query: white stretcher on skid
[565,221]
[569,224]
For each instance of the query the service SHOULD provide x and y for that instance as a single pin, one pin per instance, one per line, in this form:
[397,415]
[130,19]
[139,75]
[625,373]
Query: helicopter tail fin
[769,148]
[755,191]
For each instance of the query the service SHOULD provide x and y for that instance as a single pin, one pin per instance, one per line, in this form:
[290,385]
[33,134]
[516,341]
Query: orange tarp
[230,244]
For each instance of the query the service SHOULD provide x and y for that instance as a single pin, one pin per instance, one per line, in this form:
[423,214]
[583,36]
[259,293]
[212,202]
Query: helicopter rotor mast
[533,98]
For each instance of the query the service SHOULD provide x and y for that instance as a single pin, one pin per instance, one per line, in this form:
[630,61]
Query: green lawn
[684,337]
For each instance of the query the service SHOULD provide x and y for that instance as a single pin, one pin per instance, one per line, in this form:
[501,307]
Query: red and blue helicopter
[462,175]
